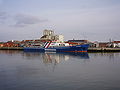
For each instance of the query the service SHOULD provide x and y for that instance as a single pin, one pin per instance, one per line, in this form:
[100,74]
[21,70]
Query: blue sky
[95,20]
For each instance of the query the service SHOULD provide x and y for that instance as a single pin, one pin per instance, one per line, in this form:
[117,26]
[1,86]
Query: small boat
[58,47]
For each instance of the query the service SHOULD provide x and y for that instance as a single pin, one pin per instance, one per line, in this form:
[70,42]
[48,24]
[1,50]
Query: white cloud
[22,20]
[19,20]
[3,17]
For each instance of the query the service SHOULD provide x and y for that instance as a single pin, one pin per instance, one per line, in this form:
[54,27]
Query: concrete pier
[89,49]
[103,49]
[11,48]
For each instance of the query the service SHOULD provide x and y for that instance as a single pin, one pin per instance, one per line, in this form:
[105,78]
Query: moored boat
[58,47]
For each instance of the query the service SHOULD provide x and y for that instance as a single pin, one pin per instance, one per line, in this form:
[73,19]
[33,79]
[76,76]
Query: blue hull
[77,48]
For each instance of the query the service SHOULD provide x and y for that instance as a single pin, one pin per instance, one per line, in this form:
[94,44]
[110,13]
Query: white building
[48,32]
[116,44]
[59,38]
[49,35]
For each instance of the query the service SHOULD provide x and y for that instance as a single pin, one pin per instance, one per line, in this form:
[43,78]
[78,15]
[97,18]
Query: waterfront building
[103,44]
[10,44]
[116,44]
[48,32]
[48,35]
[77,42]
[1,44]
[59,38]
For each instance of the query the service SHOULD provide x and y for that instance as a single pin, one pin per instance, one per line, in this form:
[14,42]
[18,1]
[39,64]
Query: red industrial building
[9,44]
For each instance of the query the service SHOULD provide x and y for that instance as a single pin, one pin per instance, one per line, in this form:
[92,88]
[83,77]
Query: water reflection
[110,56]
[56,58]
[52,60]
[10,52]
[50,57]
[64,71]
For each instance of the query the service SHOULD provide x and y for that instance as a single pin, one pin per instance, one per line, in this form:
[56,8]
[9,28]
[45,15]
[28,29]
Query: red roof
[116,41]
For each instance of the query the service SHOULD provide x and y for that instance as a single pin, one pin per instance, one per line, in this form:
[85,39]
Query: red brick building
[10,44]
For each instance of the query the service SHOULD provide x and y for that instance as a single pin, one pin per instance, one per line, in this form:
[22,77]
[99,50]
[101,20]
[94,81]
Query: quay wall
[11,48]
[103,49]
[89,49]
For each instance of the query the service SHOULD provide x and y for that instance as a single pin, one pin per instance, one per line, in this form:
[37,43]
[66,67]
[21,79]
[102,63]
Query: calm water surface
[59,71]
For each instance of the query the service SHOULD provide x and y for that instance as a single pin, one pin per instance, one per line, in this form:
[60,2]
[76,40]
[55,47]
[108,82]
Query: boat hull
[77,48]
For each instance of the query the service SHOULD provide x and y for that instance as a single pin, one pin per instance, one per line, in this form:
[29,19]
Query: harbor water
[59,71]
